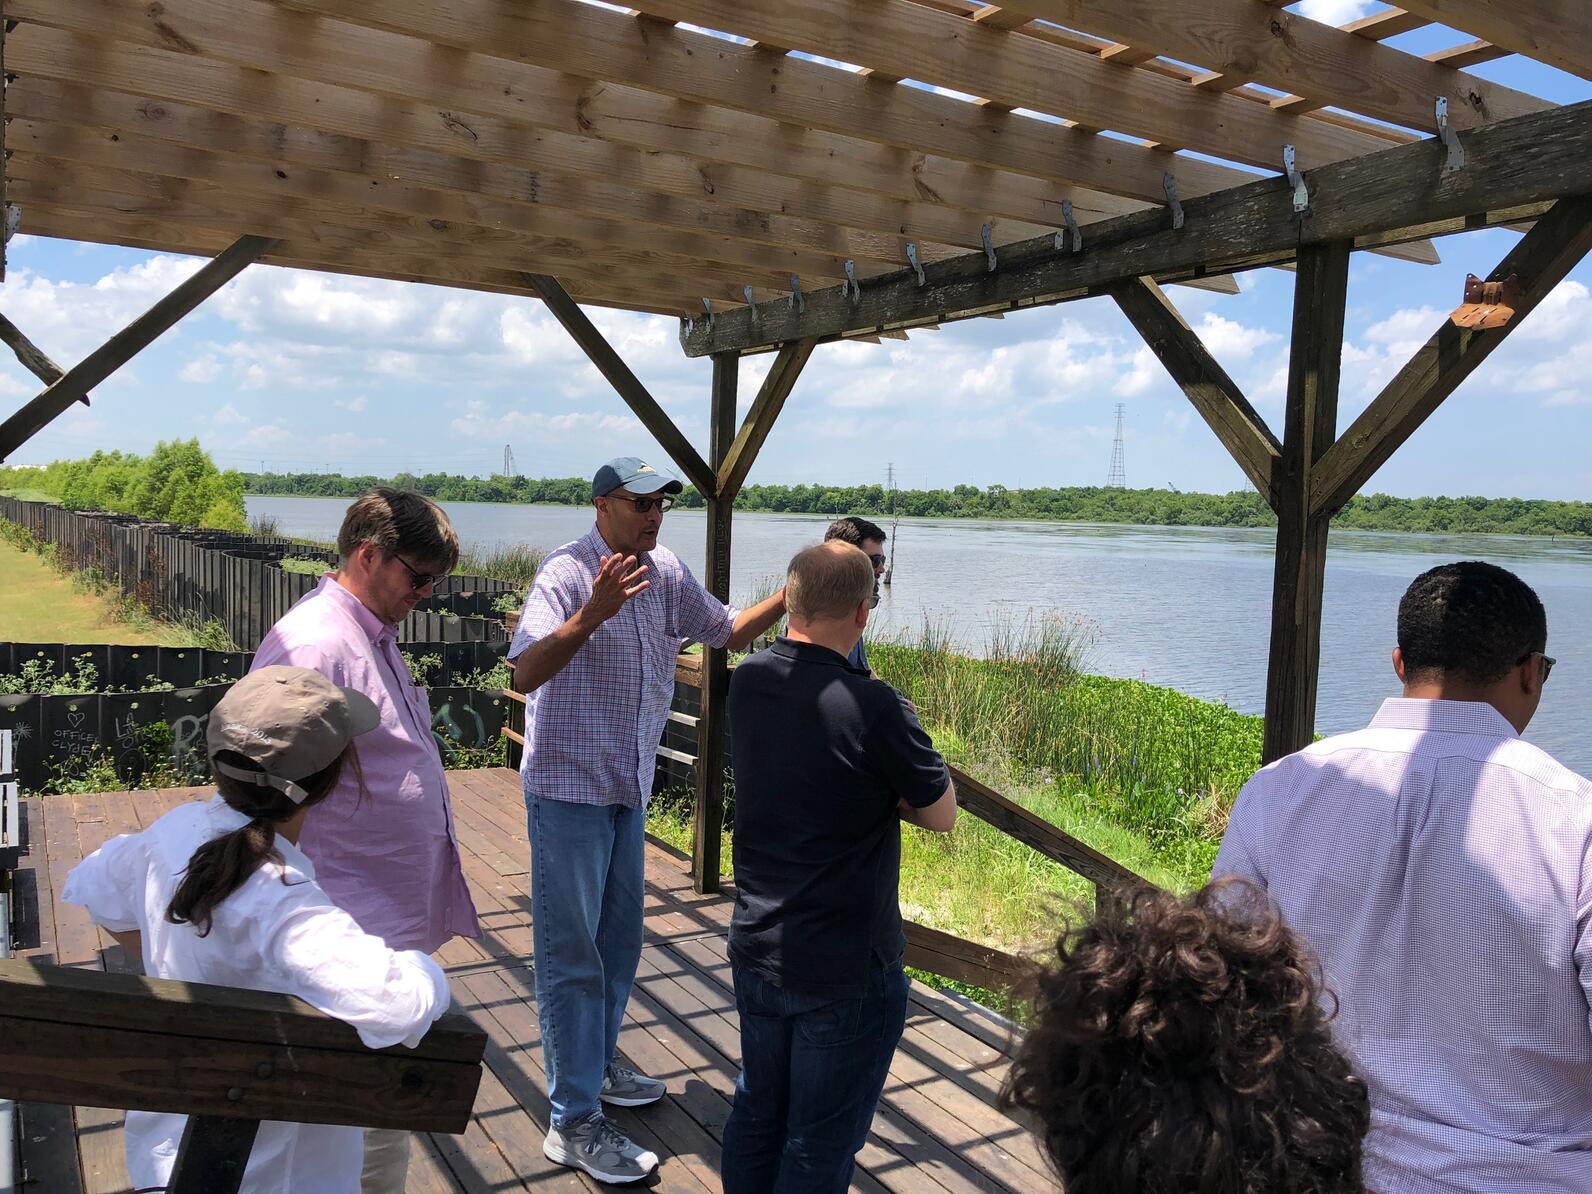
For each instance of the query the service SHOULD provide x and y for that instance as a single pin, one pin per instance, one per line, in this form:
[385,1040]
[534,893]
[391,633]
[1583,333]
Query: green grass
[30,495]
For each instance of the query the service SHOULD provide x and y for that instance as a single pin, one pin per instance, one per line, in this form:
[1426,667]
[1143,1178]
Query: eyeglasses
[643,504]
[877,558]
[1547,663]
[418,579]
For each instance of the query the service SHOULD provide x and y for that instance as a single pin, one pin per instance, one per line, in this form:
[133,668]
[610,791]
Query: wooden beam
[88,1038]
[966,961]
[75,384]
[1206,384]
[563,161]
[915,42]
[32,357]
[635,395]
[1390,22]
[801,107]
[1517,162]
[714,677]
[378,165]
[5,115]
[1247,40]
[739,458]
[620,292]
[478,219]
[1314,366]
[67,188]
[1558,32]
[1541,261]
[598,44]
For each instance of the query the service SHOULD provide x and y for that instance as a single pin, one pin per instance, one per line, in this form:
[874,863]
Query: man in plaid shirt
[594,651]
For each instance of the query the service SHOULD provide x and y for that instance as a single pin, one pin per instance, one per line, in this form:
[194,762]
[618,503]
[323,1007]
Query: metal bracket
[751,305]
[1301,193]
[13,220]
[988,234]
[687,327]
[1072,232]
[796,298]
[1488,304]
[707,305]
[1449,137]
[851,282]
[1169,185]
[912,257]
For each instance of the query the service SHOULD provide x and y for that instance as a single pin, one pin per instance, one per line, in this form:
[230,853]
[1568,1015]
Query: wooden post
[213,1155]
[705,854]
[1320,291]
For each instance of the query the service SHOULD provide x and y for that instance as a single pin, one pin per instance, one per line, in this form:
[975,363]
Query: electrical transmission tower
[1117,478]
[508,462]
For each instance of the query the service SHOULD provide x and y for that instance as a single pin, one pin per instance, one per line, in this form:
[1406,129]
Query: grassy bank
[1144,774]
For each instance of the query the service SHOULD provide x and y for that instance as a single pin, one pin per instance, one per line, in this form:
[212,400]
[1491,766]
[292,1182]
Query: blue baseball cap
[634,474]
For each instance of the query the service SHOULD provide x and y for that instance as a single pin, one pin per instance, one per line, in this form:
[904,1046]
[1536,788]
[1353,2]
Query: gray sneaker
[624,1087]
[602,1150]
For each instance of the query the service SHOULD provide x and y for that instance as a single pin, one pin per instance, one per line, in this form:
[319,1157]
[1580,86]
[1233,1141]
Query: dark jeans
[812,1070]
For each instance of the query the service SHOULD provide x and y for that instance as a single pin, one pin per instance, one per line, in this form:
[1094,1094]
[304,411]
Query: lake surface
[1187,607]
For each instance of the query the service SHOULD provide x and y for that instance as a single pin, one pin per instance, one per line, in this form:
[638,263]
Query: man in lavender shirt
[595,652]
[1442,868]
[382,843]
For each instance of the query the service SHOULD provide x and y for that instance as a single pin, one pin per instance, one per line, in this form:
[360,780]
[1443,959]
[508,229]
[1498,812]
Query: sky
[285,370]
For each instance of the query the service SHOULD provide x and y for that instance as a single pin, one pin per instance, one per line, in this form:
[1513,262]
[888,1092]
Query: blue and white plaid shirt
[592,731]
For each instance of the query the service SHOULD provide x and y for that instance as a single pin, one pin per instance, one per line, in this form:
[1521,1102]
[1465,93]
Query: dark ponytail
[224,864]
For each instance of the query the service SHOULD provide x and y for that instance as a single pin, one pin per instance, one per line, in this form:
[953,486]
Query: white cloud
[1229,338]
[228,416]
[201,370]
[268,435]
[481,422]
[1334,12]
[356,404]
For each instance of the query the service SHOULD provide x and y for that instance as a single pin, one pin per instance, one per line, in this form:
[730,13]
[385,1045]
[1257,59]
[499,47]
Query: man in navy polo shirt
[828,763]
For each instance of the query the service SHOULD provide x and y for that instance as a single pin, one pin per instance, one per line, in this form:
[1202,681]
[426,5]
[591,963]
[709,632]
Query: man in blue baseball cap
[594,652]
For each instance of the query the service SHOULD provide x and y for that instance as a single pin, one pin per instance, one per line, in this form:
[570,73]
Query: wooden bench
[227,1058]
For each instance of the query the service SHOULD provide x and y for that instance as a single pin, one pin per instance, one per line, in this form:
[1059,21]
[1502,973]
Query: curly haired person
[1182,1047]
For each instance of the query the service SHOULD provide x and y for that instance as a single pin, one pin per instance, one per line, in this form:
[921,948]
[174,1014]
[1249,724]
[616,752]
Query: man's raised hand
[617,581]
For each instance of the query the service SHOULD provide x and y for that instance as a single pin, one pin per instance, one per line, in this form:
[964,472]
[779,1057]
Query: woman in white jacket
[220,893]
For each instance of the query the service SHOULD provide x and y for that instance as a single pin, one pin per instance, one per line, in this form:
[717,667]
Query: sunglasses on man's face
[642,505]
[418,579]
[1547,663]
[877,560]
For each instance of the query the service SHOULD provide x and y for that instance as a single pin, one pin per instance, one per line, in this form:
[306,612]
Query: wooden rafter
[166,77]
[909,40]
[76,382]
[1209,389]
[32,358]
[1518,162]
[641,403]
[1558,32]
[596,43]
[1541,261]
[759,421]
[1246,40]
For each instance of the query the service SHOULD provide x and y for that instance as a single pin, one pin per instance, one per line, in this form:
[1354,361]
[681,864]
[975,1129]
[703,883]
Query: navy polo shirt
[822,756]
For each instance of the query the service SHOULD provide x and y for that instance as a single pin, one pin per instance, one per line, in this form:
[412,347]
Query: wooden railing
[227,1058]
[943,953]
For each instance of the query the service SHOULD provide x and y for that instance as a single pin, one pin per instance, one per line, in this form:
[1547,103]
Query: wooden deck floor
[937,1130]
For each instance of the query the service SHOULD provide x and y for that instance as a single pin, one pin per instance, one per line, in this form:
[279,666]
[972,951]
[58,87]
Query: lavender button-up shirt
[1442,869]
[389,858]
[592,730]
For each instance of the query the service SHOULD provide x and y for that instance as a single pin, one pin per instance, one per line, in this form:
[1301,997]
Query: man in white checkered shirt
[1442,868]
[595,651]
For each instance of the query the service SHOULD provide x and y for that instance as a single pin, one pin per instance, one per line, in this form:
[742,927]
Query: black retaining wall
[179,572]
[50,732]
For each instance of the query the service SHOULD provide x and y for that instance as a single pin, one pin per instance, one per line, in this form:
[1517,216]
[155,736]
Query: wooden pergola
[778,175]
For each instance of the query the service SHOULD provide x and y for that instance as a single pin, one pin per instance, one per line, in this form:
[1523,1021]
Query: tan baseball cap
[291,721]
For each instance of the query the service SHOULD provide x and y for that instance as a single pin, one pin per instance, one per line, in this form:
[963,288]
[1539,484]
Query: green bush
[177,482]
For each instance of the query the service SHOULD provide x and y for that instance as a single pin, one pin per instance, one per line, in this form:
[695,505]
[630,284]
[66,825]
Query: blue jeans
[812,1070]
[586,892]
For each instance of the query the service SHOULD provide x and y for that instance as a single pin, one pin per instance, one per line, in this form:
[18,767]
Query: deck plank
[938,1131]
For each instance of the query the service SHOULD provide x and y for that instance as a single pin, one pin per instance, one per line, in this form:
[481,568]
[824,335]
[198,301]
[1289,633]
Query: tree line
[177,482]
[1144,507]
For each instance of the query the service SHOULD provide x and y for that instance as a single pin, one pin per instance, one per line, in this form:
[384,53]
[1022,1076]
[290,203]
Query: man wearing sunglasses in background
[1441,868]
[868,537]
[594,652]
[382,843]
